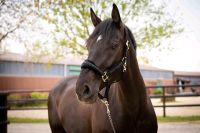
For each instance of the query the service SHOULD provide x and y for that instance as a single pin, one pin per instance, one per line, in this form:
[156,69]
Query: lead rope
[108,113]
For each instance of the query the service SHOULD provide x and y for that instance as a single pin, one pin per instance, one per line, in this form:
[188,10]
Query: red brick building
[18,73]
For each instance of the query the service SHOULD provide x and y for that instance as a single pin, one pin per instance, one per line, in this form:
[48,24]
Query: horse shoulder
[69,109]
[148,120]
[53,102]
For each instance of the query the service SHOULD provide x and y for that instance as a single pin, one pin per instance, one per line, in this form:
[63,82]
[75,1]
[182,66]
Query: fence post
[164,102]
[3,113]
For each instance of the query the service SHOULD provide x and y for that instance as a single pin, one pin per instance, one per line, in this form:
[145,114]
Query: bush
[33,95]
[158,91]
[38,95]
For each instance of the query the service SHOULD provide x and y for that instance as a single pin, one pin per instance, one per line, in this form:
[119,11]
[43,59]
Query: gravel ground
[184,127]
[28,128]
[28,113]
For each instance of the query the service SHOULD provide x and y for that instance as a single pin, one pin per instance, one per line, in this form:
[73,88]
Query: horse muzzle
[87,91]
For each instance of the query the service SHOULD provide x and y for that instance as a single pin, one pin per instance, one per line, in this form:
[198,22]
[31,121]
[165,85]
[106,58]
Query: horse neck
[132,87]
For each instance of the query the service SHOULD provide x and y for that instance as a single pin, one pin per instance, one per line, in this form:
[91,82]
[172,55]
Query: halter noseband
[106,74]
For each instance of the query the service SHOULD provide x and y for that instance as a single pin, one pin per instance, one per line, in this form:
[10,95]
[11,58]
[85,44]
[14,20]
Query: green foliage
[71,25]
[33,95]
[158,91]
[178,118]
[15,96]
[150,21]
[39,95]
[160,119]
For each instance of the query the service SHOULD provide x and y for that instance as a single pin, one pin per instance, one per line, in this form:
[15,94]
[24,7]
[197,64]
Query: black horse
[75,106]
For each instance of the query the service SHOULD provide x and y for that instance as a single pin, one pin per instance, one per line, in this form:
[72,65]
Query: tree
[10,19]
[23,26]
[148,20]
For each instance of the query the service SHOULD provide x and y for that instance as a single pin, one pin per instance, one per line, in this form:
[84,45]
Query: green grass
[160,119]
[27,120]
[178,118]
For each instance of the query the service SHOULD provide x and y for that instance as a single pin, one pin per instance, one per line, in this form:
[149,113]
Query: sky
[185,55]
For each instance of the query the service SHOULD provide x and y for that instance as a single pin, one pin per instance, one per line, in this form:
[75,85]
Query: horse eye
[114,45]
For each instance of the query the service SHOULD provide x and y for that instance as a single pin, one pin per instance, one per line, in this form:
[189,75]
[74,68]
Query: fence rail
[4,101]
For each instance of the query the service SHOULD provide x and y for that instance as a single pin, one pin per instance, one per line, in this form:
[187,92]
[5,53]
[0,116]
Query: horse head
[106,56]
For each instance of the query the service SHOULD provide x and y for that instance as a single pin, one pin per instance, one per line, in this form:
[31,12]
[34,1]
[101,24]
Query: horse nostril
[86,90]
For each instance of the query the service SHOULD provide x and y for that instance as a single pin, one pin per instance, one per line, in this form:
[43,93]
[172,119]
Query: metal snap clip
[105,77]
[127,44]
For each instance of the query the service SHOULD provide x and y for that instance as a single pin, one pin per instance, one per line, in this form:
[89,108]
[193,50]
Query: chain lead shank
[109,115]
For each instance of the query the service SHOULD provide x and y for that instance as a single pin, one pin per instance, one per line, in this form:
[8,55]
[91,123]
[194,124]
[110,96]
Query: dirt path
[28,128]
[163,128]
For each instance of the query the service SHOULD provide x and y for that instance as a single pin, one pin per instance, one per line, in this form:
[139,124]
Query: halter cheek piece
[106,74]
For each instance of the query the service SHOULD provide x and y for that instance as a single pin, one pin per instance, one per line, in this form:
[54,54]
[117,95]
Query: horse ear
[95,20]
[116,16]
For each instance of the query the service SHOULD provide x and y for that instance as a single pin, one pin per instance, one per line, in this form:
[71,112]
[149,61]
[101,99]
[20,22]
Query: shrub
[39,95]
[158,91]
[33,95]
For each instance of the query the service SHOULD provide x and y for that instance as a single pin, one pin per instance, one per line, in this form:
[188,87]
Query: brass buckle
[105,77]
[127,44]
[125,64]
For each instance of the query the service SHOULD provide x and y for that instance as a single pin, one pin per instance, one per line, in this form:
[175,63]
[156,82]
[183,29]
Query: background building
[184,78]
[17,73]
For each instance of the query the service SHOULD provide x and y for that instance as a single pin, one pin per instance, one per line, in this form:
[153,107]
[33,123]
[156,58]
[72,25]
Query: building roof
[181,73]
[22,58]
[12,57]
[149,67]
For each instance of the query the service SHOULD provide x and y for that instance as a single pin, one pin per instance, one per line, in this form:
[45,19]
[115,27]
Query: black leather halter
[106,74]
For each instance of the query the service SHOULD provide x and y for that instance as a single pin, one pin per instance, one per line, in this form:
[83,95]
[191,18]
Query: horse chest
[100,120]
[102,124]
